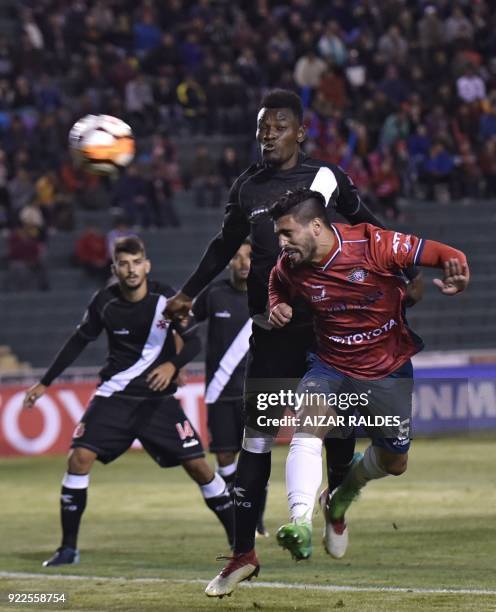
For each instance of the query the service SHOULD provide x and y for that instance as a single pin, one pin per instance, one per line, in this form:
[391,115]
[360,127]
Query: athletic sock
[339,454]
[228,473]
[218,498]
[73,499]
[303,475]
[368,468]
[263,503]
[252,475]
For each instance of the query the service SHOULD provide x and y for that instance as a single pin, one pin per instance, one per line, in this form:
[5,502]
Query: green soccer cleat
[345,494]
[297,538]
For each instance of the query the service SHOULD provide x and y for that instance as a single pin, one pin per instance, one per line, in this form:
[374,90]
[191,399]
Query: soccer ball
[101,144]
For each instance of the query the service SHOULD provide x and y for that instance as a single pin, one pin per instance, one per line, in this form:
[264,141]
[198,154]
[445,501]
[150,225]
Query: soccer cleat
[297,538]
[63,556]
[241,566]
[335,536]
[344,495]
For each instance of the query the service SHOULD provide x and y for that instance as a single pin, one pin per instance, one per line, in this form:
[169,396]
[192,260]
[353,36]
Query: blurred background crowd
[400,93]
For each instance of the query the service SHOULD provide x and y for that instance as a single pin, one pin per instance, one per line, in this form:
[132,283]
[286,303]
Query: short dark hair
[284,98]
[129,244]
[303,204]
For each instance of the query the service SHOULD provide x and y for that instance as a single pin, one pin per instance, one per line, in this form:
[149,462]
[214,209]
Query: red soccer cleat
[241,566]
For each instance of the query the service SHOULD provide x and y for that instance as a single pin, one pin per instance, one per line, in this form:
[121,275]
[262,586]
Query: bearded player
[134,399]
[349,278]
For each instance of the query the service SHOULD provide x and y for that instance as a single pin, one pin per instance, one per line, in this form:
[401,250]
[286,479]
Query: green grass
[434,527]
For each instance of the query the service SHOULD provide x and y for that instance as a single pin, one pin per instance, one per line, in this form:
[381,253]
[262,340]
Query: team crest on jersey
[79,431]
[357,275]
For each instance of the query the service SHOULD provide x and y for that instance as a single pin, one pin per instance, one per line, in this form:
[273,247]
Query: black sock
[223,507]
[263,503]
[72,505]
[252,476]
[339,453]
[229,480]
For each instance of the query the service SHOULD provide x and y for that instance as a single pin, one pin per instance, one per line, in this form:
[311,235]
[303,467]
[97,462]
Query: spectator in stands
[162,198]
[438,169]
[392,46]
[307,73]
[470,86]
[229,166]
[121,229]
[25,255]
[386,183]
[331,46]
[205,180]
[131,195]
[90,253]
[192,99]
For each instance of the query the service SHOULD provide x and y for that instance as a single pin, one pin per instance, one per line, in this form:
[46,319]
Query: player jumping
[348,276]
[274,354]
[135,396]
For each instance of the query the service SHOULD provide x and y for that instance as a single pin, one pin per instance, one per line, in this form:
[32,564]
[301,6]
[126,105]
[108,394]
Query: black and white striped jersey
[225,309]
[139,339]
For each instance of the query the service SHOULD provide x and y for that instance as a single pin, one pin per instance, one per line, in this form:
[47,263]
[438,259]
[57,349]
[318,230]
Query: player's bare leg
[215,493]
[73,499]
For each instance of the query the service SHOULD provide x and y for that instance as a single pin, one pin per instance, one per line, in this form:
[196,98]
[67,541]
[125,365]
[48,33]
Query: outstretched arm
[218,254]
[453,263]
[67,355]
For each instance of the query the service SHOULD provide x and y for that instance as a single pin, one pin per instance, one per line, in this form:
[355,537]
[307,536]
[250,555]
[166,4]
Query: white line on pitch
[265,585]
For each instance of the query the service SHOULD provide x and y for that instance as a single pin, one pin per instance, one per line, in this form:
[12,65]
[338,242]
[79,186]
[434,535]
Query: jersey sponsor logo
[162,323]
[320,296]
[223,314]
[359,337]
[121,332]
[357,275]
[377,237]
[404,245]
[79,431]
[361,304]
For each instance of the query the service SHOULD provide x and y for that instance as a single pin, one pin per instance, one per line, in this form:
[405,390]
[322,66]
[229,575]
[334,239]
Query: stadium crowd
[400,93]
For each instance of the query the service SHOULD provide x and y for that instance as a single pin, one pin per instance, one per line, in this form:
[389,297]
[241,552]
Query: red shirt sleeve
[394,250]
[279,286]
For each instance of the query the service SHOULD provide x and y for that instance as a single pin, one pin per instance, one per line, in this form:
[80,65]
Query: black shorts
[225,425]
[276,360]
[111,424]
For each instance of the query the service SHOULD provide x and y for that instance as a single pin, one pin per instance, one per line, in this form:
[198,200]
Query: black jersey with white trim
[255,191]
[225,308]
[139,338]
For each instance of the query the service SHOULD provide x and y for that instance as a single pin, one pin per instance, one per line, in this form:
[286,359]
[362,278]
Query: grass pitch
[149,543]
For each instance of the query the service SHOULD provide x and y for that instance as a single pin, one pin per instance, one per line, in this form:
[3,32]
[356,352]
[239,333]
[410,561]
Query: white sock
[368,468]
[214,488]
[76,481]
[303,475]
[226,470]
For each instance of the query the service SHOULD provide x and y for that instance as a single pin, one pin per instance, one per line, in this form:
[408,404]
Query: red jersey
[356,294]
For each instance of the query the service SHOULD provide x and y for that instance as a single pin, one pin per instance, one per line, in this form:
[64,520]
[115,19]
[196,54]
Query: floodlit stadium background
[401,94]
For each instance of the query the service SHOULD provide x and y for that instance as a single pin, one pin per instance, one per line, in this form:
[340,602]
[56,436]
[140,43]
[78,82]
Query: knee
[199,470]
[80,460]
[224,459]
[394,464]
